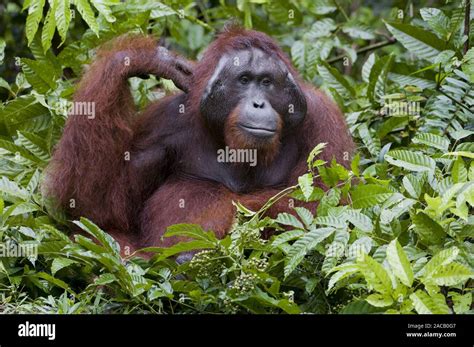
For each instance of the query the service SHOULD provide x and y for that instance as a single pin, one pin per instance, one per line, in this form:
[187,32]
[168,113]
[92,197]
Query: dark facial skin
[260,87]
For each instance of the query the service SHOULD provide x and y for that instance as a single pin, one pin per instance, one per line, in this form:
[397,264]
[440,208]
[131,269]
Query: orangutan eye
[244,79]
[266,81]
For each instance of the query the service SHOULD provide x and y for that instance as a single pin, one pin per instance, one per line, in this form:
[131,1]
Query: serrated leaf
[437,21]
[378,78]
[87,14]
[49,27]
[305,215]
[375,275]
[105,239]
[360,220]
[368,195]
[343,271]
[407,80]
[290,220]
[60,263]
[358,31]
[425,304]
[399,263]
[104,9]
[459,171]
[451,274]
[372,143]
[429,231]
[418,41]
[305,183]
[412,161]
[62,17]
[432,140]
[287,236]
[335,79]
[192,231]
[302,246]
[442,258]
[35,13]
[34,144]
[379,300]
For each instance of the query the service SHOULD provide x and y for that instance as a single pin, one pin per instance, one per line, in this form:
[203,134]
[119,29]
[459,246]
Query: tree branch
[377,45]
[467,19]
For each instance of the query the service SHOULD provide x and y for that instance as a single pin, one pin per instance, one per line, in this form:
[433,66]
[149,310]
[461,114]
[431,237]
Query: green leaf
[429,231]
[39,74]
[459,171]
[332,221]
[360,220]
[432,140]
[343,271]
[467,66]
[87,14]
[318,149]
[399,263]
[367,67]
[414,184]
[441,259]
[335,80]
[368,195]
[408,80]
[2,50]
[192,231]
[62,17]
[35,13]
[305,183]
[305,215]
[321,28]
[378,78]
[298,55]
[335,250]
[60,263]
[425,304]
[105,279]
[105,239]
[420,42]
[358,31]
[411,161]
[25,113]
[184,247]
[104,10]
[462,303]
[375,275]
[13,189]
[18,151]
[302,246]
[379,300]
[437,21]
[372,143]
[290,220]
[49,27]
[34,144]
[287,236]
[451,274]
[57,282]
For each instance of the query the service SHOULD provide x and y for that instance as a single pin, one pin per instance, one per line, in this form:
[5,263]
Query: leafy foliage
[393,234]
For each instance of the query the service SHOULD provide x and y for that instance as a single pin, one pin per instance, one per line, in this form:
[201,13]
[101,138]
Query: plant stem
[467,19]
[454,100]
[341,10]
[381,44]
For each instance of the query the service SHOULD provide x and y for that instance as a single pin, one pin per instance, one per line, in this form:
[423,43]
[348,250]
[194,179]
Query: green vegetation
[394,234]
